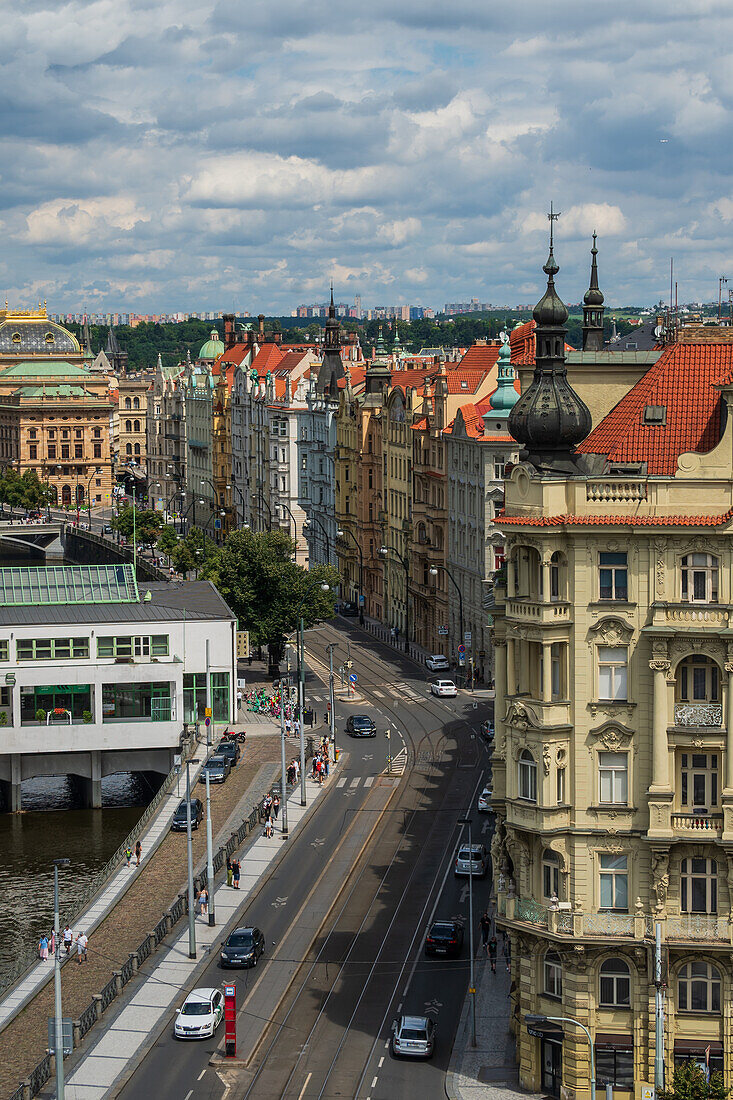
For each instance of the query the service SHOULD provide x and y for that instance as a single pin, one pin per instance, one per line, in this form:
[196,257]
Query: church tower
[332,367]
[593,308]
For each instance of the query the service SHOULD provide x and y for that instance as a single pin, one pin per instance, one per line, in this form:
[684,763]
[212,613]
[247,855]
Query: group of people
[490,944]
[269,812]
[293,772]
[138,853]
[321,762]
[233,872]
[47,945]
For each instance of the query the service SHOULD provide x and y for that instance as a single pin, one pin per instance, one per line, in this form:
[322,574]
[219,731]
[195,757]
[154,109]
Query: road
[328,1036]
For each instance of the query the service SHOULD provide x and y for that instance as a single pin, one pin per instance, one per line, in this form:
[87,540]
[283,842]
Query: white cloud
[81,221]
[397,232]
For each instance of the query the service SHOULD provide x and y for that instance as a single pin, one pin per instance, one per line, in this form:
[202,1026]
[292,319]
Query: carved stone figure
[660,878]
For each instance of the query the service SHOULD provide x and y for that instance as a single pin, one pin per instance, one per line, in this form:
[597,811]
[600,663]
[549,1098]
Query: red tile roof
[288,363]
[683,380]
[522,343]
[480,356]
[618,521]
[267,358]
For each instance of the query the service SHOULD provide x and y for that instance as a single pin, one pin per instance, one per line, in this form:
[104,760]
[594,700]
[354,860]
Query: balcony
[698,926]
[560,923]
[538,612]
[698,824]
[620,491]
[698,714]
[691,616]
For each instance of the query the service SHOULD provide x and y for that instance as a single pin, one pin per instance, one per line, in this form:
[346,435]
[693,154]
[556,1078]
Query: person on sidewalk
[68,939]
[230,872]
[43,947]
[235,873]
[485,928]
[52,943]
[276,806]
[82,947]
[269,828]
[138,852]
[508,953]
[128,855]
[204,899]
[492,954]
[239,700]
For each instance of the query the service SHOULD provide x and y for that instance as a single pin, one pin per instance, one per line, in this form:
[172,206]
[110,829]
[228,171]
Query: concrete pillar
[90,787]
[660,755]
[500,687]
[10,790]
[546,672]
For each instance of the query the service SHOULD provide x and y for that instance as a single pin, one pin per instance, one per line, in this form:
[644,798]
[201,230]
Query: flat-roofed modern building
[98,676]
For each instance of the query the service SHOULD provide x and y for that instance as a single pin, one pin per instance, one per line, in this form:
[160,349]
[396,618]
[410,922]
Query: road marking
[381,1062]
[374,1085]
[433,1006]
[355,782]
[368,781]
[189,1094]
[464,894]
[305,1086]
[341,782]
[399,1009]
[279,902]
[202,1074]
[318,842]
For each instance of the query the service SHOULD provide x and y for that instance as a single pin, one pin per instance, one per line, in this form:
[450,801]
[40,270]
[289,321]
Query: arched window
[137,425]
[79,494]
[128,425]
[136,403]
[615,988]
[137,450]
[553,975]
[66,494]
[527,776]
[700,578]
[698,988]
[555,565]
[128,403]
[128,449]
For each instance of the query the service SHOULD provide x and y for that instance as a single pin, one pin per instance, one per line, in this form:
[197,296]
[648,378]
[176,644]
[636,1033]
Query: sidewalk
[487,1071]
[171,974]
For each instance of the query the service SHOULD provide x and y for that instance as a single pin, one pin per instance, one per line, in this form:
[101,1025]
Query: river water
[51,826]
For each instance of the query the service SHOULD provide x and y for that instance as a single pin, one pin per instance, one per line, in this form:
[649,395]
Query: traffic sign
[467,636]
[207,712]
[352,677]
[442,630]
[462,650]
[207,722]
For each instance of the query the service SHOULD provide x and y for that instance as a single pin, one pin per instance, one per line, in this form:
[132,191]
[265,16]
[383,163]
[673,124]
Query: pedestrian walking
[288,727]
[43,947]
[492,954]
[275,806]
[269,828]
[485,923]
[138,852]
[239,699]
[52,943]
[230,871]
[82,946]
[235,873]
[296,728]
[204,899]
[128,854]
[68,938]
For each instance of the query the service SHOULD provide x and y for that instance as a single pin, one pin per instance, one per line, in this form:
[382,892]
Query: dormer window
[16,337]
[50,338]
[655,414]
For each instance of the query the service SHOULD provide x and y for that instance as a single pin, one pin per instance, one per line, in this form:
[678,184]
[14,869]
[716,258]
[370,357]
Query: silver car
[471,861]
[413,1037]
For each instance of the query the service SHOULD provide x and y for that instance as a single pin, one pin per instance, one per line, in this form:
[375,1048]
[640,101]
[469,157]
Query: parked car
[243,948]
[436,662]
[200,1014]
[350,610]
[218,768]
[484,801]
[413,1037]
[230,749]
[360,725]
[445,937]
[178,824]
[107,529]
[486,730]
[473,860]
[443,687]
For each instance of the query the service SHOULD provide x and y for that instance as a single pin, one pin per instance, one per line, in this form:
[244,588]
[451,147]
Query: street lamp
[307,523]
[95,471]
[58,1045]
[300,647]
[536,1018]
[331,701]
[347,531]
[189,846]
[472,983]
[434,573]
[383,552]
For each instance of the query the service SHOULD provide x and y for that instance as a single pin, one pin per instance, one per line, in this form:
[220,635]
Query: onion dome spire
[505,396]
[593,308]
[549,418]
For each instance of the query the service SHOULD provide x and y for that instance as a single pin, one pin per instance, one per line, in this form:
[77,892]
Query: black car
[350,610]
[445,937]
[243,948]
[360,725]
[230,749]
[178,824]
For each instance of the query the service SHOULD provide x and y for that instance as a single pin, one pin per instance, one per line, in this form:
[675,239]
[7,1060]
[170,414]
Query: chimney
[229,337]
[261,329]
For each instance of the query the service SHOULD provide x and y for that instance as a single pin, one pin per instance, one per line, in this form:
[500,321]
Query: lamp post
[340,532]
[384,551]
[283,783]
[189,846]
[58,1045]
[95,471]
[209,842]
[307,524]
[535,1018]
[300,647]
[264,503]
[472,982]
[433,573]
[233,485]
[331,700]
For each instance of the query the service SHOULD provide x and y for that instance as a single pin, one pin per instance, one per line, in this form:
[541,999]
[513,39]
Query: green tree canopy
[167,540]
[27,491]
[145,524]
[690,1082]
[265,588]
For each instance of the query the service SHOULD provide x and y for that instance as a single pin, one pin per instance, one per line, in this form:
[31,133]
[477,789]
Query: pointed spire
[505,396]
[381,348]
[332,367]
[593,308]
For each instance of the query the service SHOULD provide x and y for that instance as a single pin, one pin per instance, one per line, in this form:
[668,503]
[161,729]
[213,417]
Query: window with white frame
[613,673]
[698,680]
[698,885]
[560,786]
[699,578]
[613,777]
[553,975]
[698,988]
[613,576]
[499,464]
[527,776]
[614,881]
[615,984]
[550,875]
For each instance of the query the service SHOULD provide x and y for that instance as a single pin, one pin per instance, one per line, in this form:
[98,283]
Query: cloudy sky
[203,154]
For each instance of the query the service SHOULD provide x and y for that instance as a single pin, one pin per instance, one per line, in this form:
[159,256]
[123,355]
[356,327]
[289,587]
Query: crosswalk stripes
[399,763]
[357,781]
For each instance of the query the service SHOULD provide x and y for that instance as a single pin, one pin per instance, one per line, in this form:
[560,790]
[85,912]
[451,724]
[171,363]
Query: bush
[3,718]
[40,715]
[87,718]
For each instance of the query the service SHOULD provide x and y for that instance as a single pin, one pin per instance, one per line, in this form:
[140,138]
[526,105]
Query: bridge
[43,538]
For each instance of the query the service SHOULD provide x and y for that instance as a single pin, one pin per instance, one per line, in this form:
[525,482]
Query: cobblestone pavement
[23,1043]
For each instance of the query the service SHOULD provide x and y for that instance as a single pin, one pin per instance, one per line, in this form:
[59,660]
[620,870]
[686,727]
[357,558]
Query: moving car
[107,529]
[350,610]
[473,860]
[360,725]
[243,948]
[178,824]
[436,662]
[200,1014]
[230,749]
[487,730]
[413,1037]
[443,687]
[445,937]
[484,801]
[218,768]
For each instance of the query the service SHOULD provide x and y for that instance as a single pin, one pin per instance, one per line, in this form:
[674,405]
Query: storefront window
[194,697]
[220,696]
[76,698]
[137,702]
[615,1067]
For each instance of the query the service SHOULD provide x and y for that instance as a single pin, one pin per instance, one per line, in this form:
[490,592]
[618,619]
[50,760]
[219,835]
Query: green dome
[213,347]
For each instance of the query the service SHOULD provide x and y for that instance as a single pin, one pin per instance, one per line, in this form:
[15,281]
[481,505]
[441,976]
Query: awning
[548,1030]
[697,1046]
[606,1041]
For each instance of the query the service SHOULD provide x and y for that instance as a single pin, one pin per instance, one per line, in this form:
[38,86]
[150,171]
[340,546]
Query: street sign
[207,722]
[648,1092]
[462,650]
[467,636]
[207,712]
[535,1031]
[353,677]
[361,601]
[442,630]
[230,1021]
[461,659]
[177,760]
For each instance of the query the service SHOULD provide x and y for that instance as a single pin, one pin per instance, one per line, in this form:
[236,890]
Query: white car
[443,687]
[200,1014]
[436,662]
[473,860]
[484,800]
[413,1037]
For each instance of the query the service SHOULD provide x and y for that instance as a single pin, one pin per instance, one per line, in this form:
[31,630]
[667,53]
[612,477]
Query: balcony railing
[698,714]
[637,926]
[697,926]
[620,490]
[536,611]
[698,823]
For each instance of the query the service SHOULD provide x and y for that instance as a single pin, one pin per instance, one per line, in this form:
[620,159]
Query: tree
[27,491]
[183,560]
[144,524]
[690,1082]
[267,591]
[167,541]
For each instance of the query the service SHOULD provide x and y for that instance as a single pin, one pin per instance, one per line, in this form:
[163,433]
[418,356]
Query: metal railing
[698,714]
